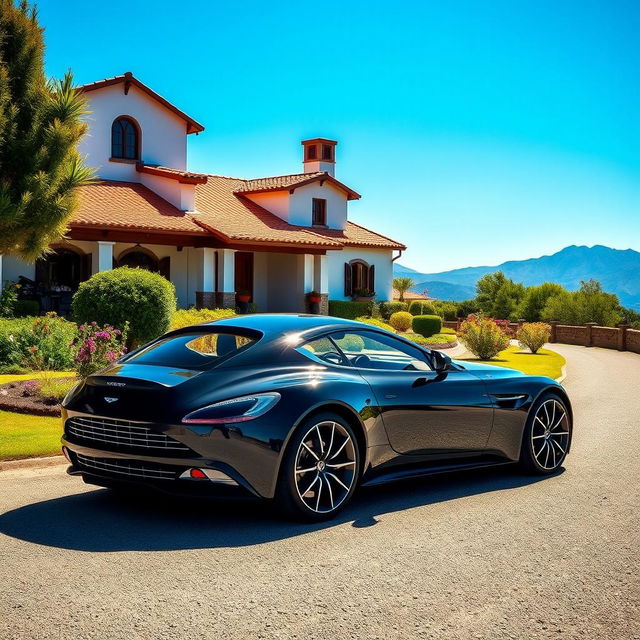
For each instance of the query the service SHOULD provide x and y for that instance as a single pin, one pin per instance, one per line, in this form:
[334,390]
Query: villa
[274,239]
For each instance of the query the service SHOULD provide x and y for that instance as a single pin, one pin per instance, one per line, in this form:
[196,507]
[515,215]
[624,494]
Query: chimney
[319,155]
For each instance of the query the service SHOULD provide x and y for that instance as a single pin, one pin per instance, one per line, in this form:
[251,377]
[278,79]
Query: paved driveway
[481,555]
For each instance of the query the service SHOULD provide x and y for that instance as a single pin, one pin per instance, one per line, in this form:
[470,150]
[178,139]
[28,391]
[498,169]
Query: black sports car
[303,409]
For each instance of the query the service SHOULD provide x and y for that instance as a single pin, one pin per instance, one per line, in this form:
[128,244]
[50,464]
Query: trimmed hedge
[427,325]
[377,323]
[188,317]
[145,300]
[24,308]
[349,309]
[387,309]
[400,320]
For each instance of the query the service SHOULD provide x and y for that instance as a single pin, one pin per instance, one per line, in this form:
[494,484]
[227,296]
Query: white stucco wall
[381,258]
[296,208]
[163,139]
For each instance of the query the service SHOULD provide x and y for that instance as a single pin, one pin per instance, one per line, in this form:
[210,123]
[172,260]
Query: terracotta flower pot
[244,298]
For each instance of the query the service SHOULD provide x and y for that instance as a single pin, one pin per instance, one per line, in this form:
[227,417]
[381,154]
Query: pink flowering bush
[97,347]
[31,388]
[483,337]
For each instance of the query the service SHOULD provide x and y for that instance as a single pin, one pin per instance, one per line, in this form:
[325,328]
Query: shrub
[349,309]
[8,299]
[483,337]
[389,308]
[97,347]
[188,317]
[447,330]
[446,310]
[401,320]
[36,343]
[31,388]
[351,343]
[426,325]
[422,307]
[145,300]
[533,335]
[438,338]
[377,323]
[55,389]
[24,308]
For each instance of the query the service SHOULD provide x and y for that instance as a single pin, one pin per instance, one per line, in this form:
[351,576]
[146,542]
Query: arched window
[125,142]
[140,258]
[359,278]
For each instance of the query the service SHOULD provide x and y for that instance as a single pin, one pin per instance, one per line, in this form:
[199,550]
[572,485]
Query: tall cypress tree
[40,126]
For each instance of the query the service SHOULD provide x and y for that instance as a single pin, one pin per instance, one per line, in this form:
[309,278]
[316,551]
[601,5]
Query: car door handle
[418,382]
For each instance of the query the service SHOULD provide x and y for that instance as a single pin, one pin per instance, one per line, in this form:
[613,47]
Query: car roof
[279,323]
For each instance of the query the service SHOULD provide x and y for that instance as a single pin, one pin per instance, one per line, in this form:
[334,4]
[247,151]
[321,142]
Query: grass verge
[25,436]
[544,363]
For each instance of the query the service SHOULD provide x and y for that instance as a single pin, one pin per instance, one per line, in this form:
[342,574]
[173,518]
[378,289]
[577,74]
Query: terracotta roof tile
[222,211]
[130,205]
[187,177]
[280,183]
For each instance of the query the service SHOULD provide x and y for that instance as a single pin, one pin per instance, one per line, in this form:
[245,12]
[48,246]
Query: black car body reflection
[303,409]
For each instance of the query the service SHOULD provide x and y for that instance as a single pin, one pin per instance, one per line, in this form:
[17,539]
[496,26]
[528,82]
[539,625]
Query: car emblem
[116,384]
[110,400]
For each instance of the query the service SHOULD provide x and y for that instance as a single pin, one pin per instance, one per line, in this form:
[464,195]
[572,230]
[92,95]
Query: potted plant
[243,298]
[363,295]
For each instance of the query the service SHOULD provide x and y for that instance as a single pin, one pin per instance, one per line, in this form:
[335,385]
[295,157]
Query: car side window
[325,350]
[369,350]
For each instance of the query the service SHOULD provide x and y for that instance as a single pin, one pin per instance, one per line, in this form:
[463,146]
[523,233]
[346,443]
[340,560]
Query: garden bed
[13,398]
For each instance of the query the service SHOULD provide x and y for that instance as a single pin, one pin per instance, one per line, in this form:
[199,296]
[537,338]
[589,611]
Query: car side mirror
[440,362]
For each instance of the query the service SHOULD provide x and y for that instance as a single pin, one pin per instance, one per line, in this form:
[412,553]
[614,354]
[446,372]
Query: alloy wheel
[325,467]
[550,434]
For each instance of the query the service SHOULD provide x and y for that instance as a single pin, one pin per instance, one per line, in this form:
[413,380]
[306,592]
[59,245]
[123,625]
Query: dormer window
[319,212]
[125,139]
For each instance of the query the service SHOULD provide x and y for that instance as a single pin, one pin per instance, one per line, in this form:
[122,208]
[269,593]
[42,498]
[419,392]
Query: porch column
[321,282]
[305,279]
[226,285]
[205,294]
[105,255]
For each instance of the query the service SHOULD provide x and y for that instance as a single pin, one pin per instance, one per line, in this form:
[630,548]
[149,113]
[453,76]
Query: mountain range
[618,271]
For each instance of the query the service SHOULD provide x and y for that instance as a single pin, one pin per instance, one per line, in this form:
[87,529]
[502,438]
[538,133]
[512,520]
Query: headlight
[70,393]
[235,410]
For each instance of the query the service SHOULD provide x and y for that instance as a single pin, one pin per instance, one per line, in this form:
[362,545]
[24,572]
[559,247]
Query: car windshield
[198,349]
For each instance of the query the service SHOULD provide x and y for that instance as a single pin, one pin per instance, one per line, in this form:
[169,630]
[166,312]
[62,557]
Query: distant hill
[617,270]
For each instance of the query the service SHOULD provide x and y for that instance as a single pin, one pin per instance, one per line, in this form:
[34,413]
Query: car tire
[320,469]
[547,436]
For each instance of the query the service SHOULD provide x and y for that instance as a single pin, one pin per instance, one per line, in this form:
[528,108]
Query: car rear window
[193,350]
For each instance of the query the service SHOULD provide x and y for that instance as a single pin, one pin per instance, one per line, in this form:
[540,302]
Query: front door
[424,413]
[244,272]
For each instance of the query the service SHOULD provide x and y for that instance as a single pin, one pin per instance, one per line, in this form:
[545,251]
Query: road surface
[478,555]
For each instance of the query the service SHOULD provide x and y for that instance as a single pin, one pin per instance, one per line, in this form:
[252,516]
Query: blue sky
[477,132]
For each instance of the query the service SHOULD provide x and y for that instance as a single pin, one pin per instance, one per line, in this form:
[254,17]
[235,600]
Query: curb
[32,463]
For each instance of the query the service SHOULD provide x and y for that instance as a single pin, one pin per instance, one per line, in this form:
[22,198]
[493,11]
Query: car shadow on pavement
[103,520]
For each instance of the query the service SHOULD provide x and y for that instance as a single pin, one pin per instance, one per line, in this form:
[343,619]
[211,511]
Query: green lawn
[25,436]
[544,363]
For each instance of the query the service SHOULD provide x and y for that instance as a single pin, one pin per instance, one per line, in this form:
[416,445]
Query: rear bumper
[110,469]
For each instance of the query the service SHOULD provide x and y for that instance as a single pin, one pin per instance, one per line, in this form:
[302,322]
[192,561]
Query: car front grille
[122,435]
[126,468]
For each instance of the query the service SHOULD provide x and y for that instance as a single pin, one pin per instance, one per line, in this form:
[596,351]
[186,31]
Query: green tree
[498,296]
[535,299]
[40,127]
[589,304]
[402,285]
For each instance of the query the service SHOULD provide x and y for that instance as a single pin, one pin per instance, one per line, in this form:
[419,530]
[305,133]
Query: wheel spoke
[553,452]
[540,421]
[342,464]
[537,437]
[560,449]
[304,493]
[342,446]
[546,460]
[320,439]
[335,477]
[559,433]
[319,493]
[330,491]
[333,432]
[557,424]
[544,444]
[304,444]
[546,413]
[306,470]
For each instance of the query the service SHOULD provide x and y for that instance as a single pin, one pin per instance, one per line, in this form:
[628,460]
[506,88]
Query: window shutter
[348,285]
[164,267]
[372,278]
